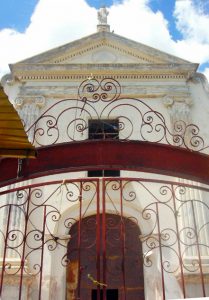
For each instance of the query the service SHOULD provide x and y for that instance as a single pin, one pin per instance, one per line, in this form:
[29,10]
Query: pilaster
[28,108]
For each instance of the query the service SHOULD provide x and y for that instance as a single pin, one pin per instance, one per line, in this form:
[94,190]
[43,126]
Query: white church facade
[116,204]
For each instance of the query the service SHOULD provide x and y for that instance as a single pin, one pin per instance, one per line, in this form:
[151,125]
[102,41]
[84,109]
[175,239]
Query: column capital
[39,101]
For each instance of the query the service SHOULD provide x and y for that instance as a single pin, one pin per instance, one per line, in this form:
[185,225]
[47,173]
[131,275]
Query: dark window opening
[111,294]
[104,173]
[102,130]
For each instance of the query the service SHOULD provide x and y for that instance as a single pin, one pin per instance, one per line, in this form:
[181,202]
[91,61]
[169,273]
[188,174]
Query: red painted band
[109,154]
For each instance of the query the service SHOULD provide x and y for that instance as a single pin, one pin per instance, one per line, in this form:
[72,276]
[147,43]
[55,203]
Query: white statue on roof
[102,15]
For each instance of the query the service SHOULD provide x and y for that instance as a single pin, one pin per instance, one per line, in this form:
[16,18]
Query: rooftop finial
[102,18]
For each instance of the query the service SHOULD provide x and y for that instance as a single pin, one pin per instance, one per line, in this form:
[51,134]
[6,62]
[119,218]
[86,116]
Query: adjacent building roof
[13,139]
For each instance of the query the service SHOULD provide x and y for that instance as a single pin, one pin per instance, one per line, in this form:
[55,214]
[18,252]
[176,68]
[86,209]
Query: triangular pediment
[104,48]
[102,54]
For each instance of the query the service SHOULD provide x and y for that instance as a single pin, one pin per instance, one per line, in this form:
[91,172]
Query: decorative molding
[170,100]
[13,267]
[28,108]
[15,279]
[153,77]
[194,278]
[38,101]
[178,107]
[135,89]
[180,111]
[101,44]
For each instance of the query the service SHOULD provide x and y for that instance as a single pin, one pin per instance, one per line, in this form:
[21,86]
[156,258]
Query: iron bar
[42,251]
[104,241]
[122,235]
[79,239]
[27,203]
[198,251]
[160,251]
[98,238]
[178,241]
[5,249]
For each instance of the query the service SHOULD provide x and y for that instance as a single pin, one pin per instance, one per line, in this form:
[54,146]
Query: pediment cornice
[120,71]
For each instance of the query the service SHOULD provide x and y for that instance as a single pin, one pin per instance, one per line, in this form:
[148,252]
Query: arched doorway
[107,251]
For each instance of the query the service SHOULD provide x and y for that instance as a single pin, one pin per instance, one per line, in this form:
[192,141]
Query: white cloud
[12,44]
[56,22]
[62,20]
[53,23]
[151,28]
[134,19]
[192,51]
[191,21]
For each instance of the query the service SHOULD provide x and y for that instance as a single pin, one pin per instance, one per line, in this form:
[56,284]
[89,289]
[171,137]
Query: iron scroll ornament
[104,100]
[178,245]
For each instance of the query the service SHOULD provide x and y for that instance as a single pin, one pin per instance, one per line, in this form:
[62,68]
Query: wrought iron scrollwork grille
[172,218]
[67,119]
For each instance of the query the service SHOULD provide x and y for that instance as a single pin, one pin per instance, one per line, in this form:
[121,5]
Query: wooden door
[105,268]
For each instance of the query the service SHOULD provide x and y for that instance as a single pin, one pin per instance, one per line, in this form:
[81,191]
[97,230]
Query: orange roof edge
[14,148]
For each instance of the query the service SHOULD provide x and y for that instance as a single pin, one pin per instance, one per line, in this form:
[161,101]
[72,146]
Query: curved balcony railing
[67,220]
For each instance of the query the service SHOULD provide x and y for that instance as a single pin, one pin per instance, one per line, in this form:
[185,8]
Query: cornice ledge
[199,78]
[133,71]
[78,76]
[108,66]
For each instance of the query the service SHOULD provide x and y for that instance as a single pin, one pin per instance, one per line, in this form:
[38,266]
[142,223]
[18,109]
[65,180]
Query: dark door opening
[111,294]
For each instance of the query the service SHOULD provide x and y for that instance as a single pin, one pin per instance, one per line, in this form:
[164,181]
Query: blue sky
[16,13]
[179,27]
